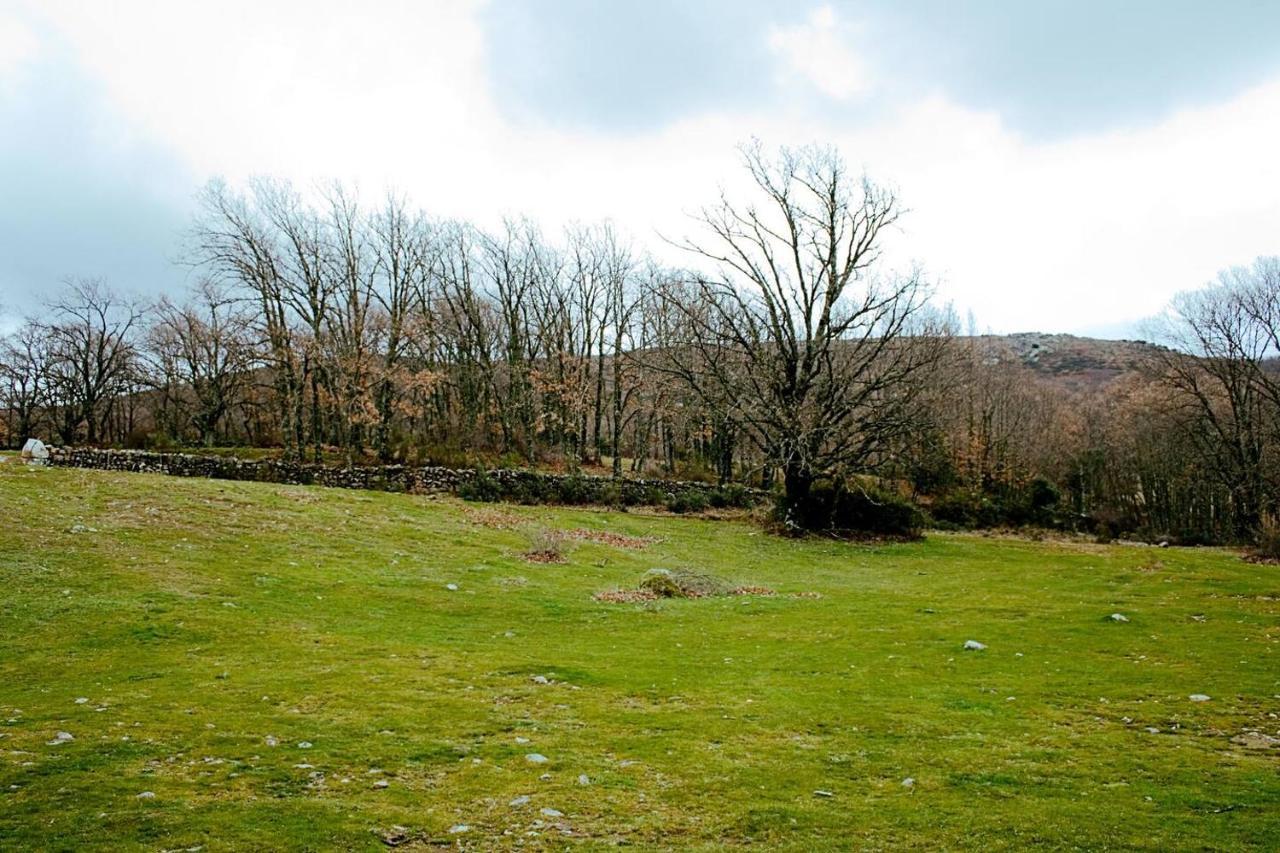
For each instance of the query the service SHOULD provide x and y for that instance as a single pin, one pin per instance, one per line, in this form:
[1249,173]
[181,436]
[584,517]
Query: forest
[787,354]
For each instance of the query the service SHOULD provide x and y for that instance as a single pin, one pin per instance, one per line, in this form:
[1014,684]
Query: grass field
[288,667]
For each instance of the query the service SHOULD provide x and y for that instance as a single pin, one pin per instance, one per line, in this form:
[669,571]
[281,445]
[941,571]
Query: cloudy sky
[1068,164]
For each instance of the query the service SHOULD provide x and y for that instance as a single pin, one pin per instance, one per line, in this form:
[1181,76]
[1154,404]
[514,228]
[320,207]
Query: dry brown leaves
[605,537]
[625,596]
[546,555]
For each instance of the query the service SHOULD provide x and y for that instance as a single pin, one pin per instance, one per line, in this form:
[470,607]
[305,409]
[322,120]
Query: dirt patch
[494,519]
[617,540]
[544,555]
[625,596]
[752,590]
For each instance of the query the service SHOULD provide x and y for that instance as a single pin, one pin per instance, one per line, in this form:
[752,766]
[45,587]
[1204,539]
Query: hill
[1084,364]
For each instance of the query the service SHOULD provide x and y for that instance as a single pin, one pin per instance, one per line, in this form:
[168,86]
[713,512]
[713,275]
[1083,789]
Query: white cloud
[819,51]
[1061,236]
[18,46]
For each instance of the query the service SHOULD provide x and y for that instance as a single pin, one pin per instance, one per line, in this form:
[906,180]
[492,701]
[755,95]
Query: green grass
[199,618]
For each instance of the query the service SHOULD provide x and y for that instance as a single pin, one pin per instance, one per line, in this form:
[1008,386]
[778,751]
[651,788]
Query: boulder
[34,452]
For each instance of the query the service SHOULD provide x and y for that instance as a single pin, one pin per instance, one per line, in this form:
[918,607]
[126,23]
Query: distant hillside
[1077,363]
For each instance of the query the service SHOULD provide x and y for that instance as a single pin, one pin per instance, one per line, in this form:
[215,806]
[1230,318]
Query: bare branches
[794,335]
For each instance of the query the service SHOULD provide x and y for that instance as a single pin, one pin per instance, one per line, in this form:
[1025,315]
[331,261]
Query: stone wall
[568,488]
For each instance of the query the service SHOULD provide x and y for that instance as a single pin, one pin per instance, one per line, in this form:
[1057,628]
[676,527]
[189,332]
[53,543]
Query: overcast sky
[1068,165]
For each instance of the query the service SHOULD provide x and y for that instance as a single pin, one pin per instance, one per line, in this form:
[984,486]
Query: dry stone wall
[567,488]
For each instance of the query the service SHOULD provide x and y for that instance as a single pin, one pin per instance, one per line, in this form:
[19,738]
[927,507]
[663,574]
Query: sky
[1067,166]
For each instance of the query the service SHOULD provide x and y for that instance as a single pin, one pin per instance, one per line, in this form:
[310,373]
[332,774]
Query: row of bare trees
[321,323]
[785,348]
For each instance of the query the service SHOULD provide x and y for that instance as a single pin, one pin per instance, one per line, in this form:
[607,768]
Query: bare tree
[92,353]
[24,378]
[1221,369]
[795,334]
[207,345]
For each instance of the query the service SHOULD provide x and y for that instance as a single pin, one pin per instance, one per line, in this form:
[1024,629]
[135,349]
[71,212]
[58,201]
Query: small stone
[271,741]
[551,813]
[147,795]
[1198,697]
[305,744]
[519,801]
[452,587]
[540,679]
[536,758]
[1118,617]
[821,793]
[459,828]
[522,740]
[584,779]
[545,777]
[974,646]
[382,783]
[396,836]
[908,782]
[82,700]
[61,737]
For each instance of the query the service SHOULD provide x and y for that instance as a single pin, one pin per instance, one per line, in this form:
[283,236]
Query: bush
[687,501]
[731,495]
[833,507]
[1268,545]
[481,487]
[682,583]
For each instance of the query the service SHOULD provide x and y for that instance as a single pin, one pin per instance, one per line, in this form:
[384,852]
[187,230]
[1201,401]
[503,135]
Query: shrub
[687,501]
[611,494]
[482,487]
[547,546]
[731,495]
[1268,545]
[682,583]
[833,507]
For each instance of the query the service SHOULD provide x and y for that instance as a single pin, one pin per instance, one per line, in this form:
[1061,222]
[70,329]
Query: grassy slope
[200,617]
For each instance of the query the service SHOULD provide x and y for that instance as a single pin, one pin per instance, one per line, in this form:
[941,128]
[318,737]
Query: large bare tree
[92,352]
[793,332]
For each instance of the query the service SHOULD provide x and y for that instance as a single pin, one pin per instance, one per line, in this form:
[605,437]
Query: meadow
[191,664]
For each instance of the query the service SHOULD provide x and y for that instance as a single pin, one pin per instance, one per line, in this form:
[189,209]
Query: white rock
[973,646]
[382,783]
[1198,697]
[536,758]
[459,828]
[147,795]
[34,452]
[81,700]
[522,739]
[551,813]
[452,587]
[584,779]
[540,679]
[908,782]
[305,744]
[519,801]
[271,741]
[61,737]
[823,794]
[1119,617]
